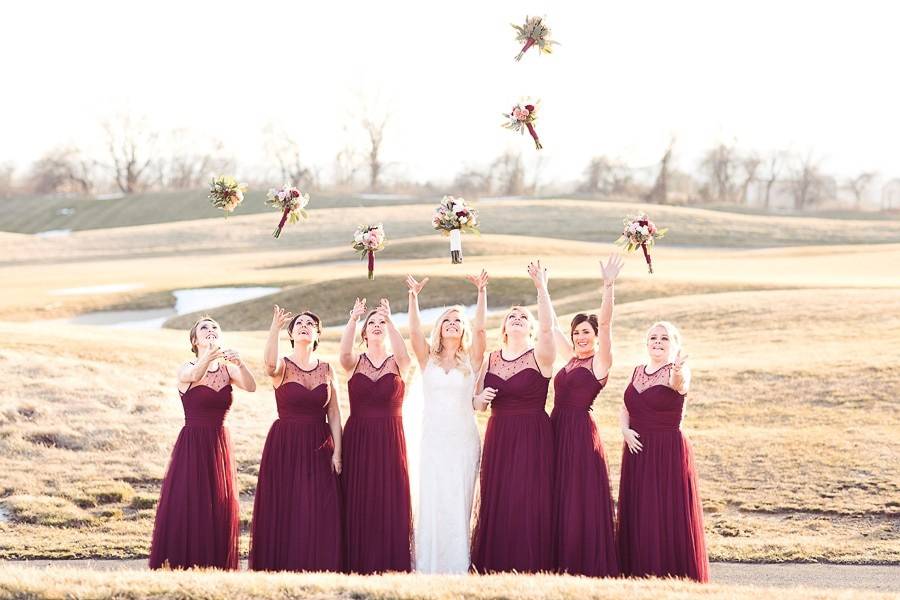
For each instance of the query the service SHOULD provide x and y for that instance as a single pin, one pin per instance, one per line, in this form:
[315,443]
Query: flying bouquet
[292,204]
[367,240]
[533,33]
[640,232]
[521,119]
[452,217]
[226,193]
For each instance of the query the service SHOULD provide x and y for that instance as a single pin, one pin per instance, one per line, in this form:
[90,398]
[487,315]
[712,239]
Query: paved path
[884,578]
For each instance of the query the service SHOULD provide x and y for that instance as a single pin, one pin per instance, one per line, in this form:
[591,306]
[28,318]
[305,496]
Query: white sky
[798,75]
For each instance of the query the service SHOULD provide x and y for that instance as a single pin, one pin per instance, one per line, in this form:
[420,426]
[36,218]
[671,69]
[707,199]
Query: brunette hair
[581,318]
[315,319]
[192,334]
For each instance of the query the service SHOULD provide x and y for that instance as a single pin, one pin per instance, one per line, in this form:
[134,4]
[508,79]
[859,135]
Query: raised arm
[398,346]
[603,358]
[545,347]
[564,346]
[416,337]
[274,365]
[479,330]
[346,355]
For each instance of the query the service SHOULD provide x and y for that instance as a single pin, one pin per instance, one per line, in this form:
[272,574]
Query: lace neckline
[318,363]
[381,366]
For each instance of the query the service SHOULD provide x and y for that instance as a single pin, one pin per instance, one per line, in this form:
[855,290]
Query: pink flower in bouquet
[640,232]
[521,119]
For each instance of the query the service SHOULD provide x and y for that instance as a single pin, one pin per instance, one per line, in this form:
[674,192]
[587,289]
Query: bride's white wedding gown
[449,454]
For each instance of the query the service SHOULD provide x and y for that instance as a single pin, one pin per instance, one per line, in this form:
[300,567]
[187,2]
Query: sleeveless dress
[513,531]
[198,516]
[583,508]
[378,514]
[660,514]
[450,453]
[297,509]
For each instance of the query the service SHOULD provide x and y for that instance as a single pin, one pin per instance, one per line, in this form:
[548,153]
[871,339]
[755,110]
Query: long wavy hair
[436,340]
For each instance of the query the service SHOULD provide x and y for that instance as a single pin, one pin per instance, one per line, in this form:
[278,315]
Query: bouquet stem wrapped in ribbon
[640,232]
[292,203]
[452,217]
[226,193]
[367,240]
[521,119]
[533,33]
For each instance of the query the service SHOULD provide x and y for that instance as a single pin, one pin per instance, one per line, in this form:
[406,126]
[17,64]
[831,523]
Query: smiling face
[203,334]
[452,325]
[305,328]
[584,333]
[663,341]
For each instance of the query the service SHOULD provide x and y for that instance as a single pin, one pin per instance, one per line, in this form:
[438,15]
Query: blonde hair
[527,313]
[192,334]
[436,340]
[674,337]
[362,332]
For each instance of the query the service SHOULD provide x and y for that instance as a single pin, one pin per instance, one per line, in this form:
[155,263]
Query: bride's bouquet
[533,33]
[292,204]
[640,232]
[226,193]
[521,119]
[367,240]
[452,217]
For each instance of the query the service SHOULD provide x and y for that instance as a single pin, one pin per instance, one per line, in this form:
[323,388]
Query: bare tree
[719,165]
[859,184]
[285,150]
[536,172]
[472,181]
[749,167]
[659,193]
[192,162]
[132,147]
[63,169]
[508,174]
[774,166]
[374,127]
[807,183]
[606,176]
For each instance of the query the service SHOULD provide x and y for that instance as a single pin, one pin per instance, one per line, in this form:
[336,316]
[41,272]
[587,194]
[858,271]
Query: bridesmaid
[582,503]
[513,530]
[378,514]
[297,510]
[197,519]
[660,515]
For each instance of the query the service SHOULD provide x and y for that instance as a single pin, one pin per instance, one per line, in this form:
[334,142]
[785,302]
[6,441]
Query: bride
[450,448]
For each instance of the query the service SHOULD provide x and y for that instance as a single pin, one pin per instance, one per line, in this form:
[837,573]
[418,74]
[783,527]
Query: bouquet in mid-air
[452,217]
[226,193]
[521,119]
[367,240]
[533,33]
[292,204]
[640,232]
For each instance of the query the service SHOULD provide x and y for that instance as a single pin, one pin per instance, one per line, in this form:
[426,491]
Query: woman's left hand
[384,309]
[479,281]
[233,356]
[538,275]
[679,361]
[336,463]
[611,269]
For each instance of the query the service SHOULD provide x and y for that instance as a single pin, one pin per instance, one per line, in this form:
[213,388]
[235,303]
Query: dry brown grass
[53,583]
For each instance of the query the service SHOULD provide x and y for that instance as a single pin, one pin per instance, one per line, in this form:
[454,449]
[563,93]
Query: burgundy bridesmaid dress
[297,510]
[513,530]
[660,515]
[198,517]
[582,503]
[378,515]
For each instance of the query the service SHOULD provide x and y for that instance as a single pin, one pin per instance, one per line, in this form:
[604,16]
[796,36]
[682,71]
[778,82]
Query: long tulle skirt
[378,515]
[513,531]
[297,509]
[583,510]
[660,530]
[198,516]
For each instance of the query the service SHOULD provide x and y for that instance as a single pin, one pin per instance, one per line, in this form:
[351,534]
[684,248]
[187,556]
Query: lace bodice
[504,369]
[580,363]
[575,385]
[206,402]
[318,375]
[214,380]
[641,380]
[365,366]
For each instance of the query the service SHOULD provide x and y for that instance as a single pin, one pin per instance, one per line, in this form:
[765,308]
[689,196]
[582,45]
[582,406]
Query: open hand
[415,286]
[359,309]
[384,309]
[538,274]
[479,281]
[280,317]
[612,267]
[631,440]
